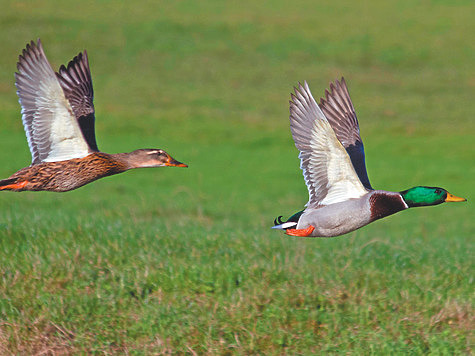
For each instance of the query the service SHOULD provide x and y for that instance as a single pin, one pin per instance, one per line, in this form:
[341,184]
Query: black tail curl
[278,220]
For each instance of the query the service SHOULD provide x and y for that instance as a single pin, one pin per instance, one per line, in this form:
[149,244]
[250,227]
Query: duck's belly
[337,219]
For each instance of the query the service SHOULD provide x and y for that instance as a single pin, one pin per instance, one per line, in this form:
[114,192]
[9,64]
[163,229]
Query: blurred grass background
[183,261]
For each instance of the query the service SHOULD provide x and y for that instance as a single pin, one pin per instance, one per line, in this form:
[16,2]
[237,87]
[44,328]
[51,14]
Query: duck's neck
[105,164]
[383,203]
[124,161]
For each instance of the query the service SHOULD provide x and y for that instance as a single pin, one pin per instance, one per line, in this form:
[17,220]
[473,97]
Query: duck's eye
[438,191]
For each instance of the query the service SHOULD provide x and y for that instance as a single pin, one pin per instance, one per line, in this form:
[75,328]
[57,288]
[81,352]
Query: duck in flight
[333,163]
[58,117]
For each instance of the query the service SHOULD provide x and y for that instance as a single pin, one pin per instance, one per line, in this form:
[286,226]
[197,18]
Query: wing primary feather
[76,81]
[339,110]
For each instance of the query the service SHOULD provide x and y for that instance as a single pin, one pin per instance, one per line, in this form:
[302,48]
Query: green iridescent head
[425,196]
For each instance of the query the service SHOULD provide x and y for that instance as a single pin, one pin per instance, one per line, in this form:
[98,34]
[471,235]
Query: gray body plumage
[341,218]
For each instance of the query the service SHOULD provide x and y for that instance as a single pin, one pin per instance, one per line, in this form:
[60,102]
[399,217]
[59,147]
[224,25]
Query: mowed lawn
[183,261]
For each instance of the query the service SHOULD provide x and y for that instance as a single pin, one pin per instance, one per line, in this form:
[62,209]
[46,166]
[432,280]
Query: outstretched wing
[75,79]
[340,113]
[51,129]
[327,169]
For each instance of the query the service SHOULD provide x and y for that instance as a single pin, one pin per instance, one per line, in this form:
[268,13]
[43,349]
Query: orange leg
[300,232]
[15,186]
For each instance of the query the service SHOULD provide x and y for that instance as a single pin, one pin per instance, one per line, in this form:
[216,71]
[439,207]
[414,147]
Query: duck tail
[289,224]
[278,220]
[12,184]
[283,225]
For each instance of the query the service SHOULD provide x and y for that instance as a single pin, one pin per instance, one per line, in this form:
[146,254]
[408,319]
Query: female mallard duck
[58,117]
[333,164]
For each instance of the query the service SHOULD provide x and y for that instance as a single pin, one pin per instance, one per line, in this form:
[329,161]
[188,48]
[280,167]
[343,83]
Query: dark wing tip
[62,69]
[76,81]
[75,60]
[339,110]
[322,102]
[335,85]
[293,97]
[76,76]
[32,51]
[298,90]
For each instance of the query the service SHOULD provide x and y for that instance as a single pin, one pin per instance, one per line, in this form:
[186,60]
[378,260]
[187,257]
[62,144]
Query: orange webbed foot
[15,186]
[300,232]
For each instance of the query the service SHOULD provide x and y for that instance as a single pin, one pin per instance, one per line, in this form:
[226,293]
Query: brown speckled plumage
[66,175]
[58,117]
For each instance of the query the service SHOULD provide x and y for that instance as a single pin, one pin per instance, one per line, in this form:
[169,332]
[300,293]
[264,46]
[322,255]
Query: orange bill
[174,163]
[453,198]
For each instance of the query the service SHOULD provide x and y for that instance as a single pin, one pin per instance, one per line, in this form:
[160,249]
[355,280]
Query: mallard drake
[333,163]
[58,117]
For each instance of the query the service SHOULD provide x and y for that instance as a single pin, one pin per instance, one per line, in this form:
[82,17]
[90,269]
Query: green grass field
[183,261]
